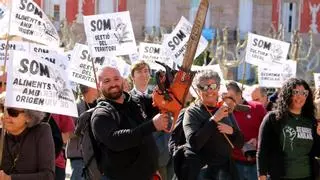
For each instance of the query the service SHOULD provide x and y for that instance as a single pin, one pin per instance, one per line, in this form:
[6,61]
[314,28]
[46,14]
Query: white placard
[261,50]
[316,80]
[39,85]
[123,67]
[276,74]
[29,21]
[134,57]
[4,18]
[81,68]
[110,34]
[175,45]
[151,53]
[13,45]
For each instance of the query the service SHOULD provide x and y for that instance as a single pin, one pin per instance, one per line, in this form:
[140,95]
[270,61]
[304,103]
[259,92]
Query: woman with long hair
[288,136]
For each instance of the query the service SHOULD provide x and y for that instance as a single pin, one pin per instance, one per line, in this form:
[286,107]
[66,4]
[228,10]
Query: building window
[289,16]
[56,12]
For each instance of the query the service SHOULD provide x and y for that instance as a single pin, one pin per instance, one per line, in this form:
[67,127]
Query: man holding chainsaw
[210,131]
[128,149]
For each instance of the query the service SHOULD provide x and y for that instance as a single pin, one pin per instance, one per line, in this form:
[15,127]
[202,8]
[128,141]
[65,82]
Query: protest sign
[122,66]
[175,45]
[110,34]
[81,69]
[134,57]
[261,50]
[151,53]
[13,45]
[316,80]
[45,52]
[30,22]
[276,74]
[33,83]
[4,18]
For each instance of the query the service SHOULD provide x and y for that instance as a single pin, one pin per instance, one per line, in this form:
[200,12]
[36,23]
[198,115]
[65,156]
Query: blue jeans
[247,172]
[77,166]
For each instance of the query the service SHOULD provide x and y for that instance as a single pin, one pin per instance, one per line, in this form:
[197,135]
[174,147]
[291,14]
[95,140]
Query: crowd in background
[224,135]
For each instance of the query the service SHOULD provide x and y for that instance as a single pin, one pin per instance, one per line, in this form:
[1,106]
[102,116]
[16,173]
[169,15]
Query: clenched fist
[222,112]
[161,121]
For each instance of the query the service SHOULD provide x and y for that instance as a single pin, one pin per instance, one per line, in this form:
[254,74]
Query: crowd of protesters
[226,136]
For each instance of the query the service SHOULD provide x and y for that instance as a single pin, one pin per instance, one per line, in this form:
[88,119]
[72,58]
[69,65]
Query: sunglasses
[14,112]
[300,92]
[212,86]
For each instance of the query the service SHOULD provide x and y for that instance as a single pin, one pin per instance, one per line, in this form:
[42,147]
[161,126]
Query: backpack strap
[110,108]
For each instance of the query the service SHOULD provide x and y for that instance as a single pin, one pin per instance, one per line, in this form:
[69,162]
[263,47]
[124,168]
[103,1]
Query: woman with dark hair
[288,136]
[28,152]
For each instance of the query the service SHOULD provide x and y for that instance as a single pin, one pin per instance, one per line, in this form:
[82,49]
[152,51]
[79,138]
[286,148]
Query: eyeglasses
[14,112]
[212,86]
[300,92]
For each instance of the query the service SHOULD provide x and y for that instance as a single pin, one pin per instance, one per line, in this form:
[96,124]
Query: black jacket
[160,137]
[128,148]
[33,150]
[270,159]
[204,139]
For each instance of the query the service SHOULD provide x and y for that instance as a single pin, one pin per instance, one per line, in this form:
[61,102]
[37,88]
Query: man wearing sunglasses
[249,123]
[206,143]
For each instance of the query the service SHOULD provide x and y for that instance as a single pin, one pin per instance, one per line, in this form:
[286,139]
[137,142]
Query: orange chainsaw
[173,87]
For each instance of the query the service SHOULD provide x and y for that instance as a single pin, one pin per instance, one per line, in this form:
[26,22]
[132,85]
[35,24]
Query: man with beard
[128,150]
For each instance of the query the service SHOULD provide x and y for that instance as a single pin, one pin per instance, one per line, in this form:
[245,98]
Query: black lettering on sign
[33,92]
[176,40]
[101,24]
[40,50]
[261,43]
[86,56]
[30,7]
[52,60]
[152,50]
[99,60]
[11,46]
[34,68]
[25,24]
[32,100]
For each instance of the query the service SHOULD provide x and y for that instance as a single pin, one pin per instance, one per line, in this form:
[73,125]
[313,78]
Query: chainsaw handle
[171,123]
